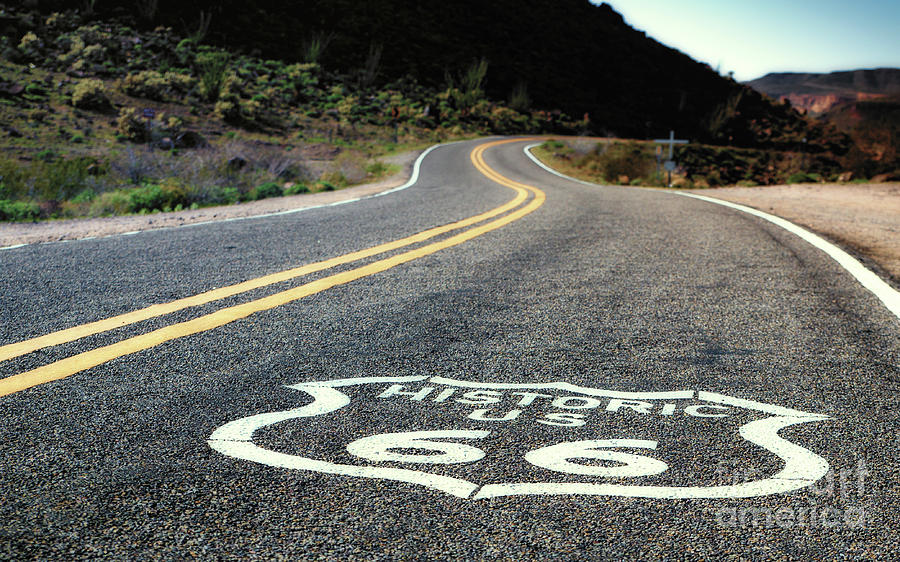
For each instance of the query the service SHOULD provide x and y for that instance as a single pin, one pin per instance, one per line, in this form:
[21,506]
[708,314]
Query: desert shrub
[803,177]
[227,195]
[31,46]
[378,169]
[468,89]
[264,191]
[185,51]
[90,94]
[623,160]
[152,197]
[56,179]
[46,155]
[18,210]
[348,167]
[212,67]
[296,189]
[227,111]
[553,145]
[114,202]
[131,126]
[156,86]
[94,53]
[506,120]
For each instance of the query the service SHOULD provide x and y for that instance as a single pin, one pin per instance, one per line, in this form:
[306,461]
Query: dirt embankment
[864,218]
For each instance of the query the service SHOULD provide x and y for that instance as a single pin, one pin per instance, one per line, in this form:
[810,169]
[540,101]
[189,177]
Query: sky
[754,37]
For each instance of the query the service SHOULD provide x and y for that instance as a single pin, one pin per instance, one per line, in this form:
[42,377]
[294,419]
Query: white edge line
[411,182]
[547,168]
[889,296]
[867,278]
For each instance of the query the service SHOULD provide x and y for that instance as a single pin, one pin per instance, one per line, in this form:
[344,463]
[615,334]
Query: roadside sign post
[670,163]
[149,114]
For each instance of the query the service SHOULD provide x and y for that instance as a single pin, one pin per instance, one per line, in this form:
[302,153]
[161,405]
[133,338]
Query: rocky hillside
[818,93]
[862,103]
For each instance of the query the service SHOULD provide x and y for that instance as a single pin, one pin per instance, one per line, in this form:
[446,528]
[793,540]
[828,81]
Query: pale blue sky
[754,37]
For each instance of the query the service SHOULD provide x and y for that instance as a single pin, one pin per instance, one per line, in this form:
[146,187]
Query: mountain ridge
[569,55]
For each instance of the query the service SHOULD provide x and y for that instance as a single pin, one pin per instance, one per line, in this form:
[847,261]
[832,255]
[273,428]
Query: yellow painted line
[17,349]
[83,361]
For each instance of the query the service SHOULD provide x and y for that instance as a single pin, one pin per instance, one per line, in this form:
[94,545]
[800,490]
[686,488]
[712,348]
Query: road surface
[492,362]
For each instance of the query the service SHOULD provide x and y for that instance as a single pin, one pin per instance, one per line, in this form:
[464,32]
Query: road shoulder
[864,218]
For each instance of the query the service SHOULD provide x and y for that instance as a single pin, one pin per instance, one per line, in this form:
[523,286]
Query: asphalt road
[590,372]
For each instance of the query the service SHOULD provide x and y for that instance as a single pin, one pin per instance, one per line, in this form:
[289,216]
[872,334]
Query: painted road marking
[77,363]
[17,349]
[556,404]
[889,296]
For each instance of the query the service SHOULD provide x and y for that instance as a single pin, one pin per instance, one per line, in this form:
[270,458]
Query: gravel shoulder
[863,218]
[14,234]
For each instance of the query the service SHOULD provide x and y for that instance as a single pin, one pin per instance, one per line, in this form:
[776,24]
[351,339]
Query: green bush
[154,197]
[154,85]
[110,203]
[90,94]
[60,179]
[212,67]
[553,145]
[18,210]
[296,189]
[377,169]
[264,191]
[131,126]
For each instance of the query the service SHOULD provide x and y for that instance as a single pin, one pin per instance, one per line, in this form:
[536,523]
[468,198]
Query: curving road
[492,362]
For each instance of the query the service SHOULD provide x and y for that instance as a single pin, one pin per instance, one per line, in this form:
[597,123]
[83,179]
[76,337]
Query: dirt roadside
[861,218]
[13,234]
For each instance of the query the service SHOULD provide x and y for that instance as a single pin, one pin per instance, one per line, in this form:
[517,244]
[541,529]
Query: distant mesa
[817,94]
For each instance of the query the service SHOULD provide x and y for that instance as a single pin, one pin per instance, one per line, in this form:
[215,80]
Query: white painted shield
[801,466]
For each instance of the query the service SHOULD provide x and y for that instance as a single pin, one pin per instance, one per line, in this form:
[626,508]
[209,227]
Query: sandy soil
[862,218]
[12,234]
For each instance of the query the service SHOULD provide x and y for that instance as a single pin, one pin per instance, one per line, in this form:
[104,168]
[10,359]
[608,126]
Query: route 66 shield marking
[594,466]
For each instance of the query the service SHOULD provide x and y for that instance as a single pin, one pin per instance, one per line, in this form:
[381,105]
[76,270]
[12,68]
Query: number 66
[405,447]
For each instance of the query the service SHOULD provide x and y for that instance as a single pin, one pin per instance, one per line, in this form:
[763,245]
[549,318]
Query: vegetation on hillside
[139,107]
[568,55]
[621,162]
[101,118]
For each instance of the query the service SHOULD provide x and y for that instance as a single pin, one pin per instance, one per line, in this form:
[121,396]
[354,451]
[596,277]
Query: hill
[566,55]
[862,103]
[818,93]
[155,105]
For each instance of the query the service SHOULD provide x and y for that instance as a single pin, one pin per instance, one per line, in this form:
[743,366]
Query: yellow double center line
[83,361]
